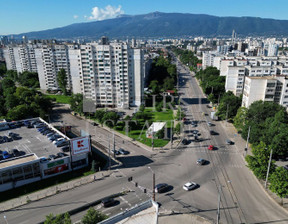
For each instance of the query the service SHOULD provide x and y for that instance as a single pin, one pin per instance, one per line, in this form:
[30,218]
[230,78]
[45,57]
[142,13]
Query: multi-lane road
[242,198]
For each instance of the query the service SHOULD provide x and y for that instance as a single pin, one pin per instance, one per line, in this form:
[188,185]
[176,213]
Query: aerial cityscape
[145,112]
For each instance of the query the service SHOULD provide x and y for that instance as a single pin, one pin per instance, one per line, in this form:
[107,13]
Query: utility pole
[171,134]
[227,113]
[219,200]
[152,136]
[247,140]
[269,164]
[114,143]
[109,153]
[153,183]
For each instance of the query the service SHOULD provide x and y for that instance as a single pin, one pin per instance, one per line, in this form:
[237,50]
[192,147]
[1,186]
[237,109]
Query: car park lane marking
[123,199]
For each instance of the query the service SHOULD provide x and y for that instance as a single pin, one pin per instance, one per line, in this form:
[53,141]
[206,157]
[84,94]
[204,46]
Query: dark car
[65,148]
[7,139]
[229,142]
[123,152]
[61,144]
[15,152]
[107,202]
[185,141]
[94,124]
[201,161]
[61,154]
[213,132]
[52,157]
[160,188]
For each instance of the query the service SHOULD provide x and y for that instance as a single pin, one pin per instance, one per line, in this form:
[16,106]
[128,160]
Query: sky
[18,16]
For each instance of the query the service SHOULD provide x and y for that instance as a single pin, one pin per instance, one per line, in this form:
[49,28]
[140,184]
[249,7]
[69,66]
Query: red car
[210,147]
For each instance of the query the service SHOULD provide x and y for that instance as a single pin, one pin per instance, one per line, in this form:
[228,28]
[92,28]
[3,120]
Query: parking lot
[30,141]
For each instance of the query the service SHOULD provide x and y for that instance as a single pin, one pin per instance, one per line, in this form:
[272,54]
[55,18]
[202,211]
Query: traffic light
[130,179]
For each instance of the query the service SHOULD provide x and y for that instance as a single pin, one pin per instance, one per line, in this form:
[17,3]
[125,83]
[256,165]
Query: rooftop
[31,142]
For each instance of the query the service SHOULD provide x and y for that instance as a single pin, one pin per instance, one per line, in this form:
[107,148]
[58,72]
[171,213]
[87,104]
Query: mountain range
[158,24]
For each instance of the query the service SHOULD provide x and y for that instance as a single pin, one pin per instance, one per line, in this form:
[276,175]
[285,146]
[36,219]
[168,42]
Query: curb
[88,205]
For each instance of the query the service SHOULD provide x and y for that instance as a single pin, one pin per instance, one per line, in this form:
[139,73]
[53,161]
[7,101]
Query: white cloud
[75,16]
[107,13]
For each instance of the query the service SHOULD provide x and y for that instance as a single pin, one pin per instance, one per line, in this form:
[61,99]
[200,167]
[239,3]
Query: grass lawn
[60,98]
[139,135]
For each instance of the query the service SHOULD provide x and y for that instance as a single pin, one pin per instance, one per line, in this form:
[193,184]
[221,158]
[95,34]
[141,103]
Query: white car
[190,186]
[58,140]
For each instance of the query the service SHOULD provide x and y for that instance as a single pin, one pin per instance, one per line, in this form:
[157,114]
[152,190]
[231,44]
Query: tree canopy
[62,81]
[93,216]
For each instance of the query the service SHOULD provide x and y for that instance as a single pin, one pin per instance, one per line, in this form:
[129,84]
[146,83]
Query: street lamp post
[246,149]
[269,164]
[154,196]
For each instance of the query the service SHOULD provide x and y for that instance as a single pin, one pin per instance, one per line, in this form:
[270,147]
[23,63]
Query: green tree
[279,182]
[99,114]
[258,163]
[58,219]
[228,106]
[62,81]
[168,84]
[141,108]
[154,85]
[110,118]
[3,69]
[29,79]
[177,129]
[76,103]
[240,118]
[19,112]
[256,117]
[12,74]
[160,134]
[11,101]
[93,216]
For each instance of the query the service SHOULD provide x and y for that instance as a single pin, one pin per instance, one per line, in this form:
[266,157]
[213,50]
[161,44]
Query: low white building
[154,128]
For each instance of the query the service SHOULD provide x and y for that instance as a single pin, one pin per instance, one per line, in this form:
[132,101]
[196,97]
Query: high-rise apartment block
[109,74]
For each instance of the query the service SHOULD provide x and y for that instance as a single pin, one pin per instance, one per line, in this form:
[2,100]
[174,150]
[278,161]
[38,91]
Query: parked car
[201,161]
[50,134]
[194,124]
[190,186]
[184,141]
[123,152]
[107,202]
[116,152]
[61,154]
[54,137]
[52,157]
[210,147]
[229,142]
[94,124]
[58,140]
[7,139]
[210,124]
[61,144]
[6,155]
[160,188]
[213,132]
[15,152]
[44,160]
[65,148]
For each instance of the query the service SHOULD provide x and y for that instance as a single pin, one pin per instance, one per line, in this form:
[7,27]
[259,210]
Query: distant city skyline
[31,15]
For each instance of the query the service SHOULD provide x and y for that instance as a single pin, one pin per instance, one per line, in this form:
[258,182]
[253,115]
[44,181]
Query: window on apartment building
[270,84]
[269,96]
